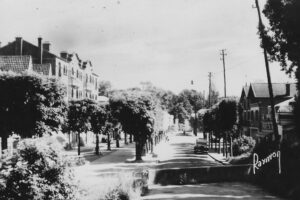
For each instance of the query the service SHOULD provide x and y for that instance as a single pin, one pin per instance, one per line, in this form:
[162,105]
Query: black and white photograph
[149,99]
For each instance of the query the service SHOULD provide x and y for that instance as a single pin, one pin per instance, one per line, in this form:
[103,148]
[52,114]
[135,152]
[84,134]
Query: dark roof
[43,69]
[16,64]
[261,90]
[245,91]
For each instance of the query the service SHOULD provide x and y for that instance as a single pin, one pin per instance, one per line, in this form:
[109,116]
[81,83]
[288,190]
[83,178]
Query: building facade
[75,74]
[256,119]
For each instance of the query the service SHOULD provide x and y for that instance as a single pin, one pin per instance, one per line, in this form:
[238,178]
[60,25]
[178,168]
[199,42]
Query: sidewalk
[118,162]
[219,157]
[88,152]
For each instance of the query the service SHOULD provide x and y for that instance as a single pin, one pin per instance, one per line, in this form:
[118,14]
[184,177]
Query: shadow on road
[232,190]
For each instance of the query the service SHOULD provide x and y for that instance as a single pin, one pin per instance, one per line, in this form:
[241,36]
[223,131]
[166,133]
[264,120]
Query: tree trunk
[151,142]
[78,143]
[97,144]
[69,133]
[130,138]
[195,123]
[219,150]
[125,138]
[226,145]
[138,150]
[118,139]
[209,139]
[147,146]
[231,151]
[108,141]
[223,146]
[86,138]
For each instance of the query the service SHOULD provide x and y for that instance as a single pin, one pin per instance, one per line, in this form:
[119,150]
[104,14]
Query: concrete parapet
[204,175]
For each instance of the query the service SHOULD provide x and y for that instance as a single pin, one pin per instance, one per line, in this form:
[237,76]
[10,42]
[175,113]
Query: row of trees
[220,122]
[183,106]
[31,105]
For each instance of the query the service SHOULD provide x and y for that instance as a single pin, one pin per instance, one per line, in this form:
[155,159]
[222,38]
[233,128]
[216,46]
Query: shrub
[243,145]
[37,171]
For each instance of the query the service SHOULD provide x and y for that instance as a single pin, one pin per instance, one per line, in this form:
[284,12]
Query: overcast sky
[167,42]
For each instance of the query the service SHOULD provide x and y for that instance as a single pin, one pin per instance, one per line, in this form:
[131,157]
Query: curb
[222,162]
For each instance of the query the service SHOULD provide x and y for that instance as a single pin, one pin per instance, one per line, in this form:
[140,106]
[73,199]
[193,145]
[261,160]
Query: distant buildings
[256,120]
[77,75]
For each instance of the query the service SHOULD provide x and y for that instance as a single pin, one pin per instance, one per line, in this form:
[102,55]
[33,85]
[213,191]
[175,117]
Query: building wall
[79,80]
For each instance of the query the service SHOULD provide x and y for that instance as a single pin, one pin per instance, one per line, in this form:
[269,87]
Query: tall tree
[196,100]
[282,40]
[135,111]
[30,105]
[79,117]
[104,88]
[98,120]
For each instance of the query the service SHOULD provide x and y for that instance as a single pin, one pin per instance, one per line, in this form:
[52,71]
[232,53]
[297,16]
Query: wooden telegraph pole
[223,54]
[261,29]
[209,89]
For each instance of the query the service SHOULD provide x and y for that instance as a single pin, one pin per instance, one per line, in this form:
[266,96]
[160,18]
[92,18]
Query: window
[252,115]
[256,115]
[77,73]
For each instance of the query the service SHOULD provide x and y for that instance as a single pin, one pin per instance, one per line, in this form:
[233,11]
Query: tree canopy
[282,38]
[135,111]
[30,105]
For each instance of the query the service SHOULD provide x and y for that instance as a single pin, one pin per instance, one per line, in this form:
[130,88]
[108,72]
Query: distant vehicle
[201,146]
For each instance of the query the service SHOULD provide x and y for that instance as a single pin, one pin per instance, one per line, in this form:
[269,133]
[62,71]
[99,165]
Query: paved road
[178,152]
[211,191]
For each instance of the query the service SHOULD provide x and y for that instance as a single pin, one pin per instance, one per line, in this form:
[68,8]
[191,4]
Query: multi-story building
[256,120]
[77,75]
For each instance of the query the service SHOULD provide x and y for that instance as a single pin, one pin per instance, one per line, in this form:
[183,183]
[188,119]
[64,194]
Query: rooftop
[16,64]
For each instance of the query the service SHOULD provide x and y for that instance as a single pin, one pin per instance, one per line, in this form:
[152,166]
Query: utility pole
[261,29]
[209,89]
[223,54]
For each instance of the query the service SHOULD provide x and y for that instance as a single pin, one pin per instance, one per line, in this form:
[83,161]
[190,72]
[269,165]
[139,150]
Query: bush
[37,171]
[243,145]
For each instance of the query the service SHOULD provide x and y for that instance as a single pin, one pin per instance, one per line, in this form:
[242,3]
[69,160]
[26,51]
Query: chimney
[64,54]
[46,46]
[40,50]
[288,89]
[19,46]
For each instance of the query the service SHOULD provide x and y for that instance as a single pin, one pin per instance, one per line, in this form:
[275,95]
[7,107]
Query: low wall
[204,175]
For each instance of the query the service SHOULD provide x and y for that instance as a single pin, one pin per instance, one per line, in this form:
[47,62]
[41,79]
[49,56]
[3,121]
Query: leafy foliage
[243,145]
[135,111]
[37,171]
[30,105]
[79,115]
[104,88]
[283,33]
